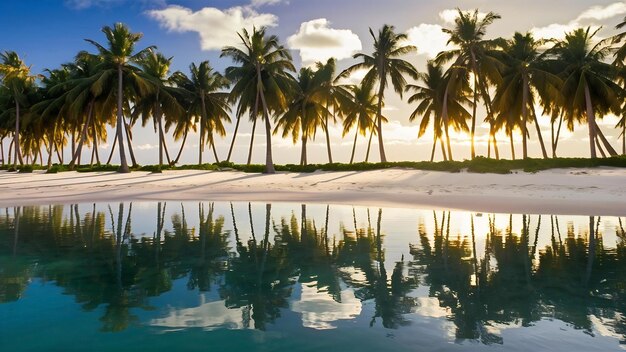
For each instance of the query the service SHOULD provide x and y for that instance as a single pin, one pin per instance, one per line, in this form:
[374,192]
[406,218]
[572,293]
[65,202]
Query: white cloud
[589,17]
[316,41]
[217,28]
[146,146]
[449,15]
[602,13]
[428,38]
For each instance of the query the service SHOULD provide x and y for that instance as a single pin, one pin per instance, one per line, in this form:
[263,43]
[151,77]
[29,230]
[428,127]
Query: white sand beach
[598,191]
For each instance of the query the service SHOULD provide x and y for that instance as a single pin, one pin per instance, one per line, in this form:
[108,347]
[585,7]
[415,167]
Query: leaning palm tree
[162,100]
[430,100]
[359,110]
[589,89]
[263,73]
[472,54]
[523,79]
[119,57]
[17,79]
[385,65]
[207,102]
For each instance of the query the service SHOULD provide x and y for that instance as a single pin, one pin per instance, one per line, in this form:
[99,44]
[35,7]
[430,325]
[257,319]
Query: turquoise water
[279,277]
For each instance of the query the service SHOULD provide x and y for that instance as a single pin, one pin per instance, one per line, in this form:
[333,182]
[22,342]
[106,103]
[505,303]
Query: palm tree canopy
[430,97]
[262,53]
[384,63]
[580,61]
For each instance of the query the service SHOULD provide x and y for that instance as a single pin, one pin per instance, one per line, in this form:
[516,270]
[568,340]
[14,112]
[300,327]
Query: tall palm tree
[359,109]
[385,65]
[430,100]
[263,71]
[308,110]
[524,77]
[119,57]
[589,89]
[472,53]
[162,100]
[207,102]
[17,79]
[330,89]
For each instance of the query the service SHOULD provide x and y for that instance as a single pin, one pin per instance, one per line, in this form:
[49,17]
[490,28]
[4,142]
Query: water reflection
[252,265]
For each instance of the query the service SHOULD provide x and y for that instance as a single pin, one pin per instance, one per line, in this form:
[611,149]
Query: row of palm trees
[575,80]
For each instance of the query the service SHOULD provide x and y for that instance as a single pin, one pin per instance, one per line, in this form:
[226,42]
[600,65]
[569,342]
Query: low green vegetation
[479,165]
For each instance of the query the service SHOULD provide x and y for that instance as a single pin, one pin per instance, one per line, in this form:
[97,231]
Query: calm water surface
[279,277]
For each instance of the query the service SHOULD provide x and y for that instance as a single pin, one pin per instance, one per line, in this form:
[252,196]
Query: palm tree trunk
[539,136]
[605,142]
[445,119]
[448,144]
[558,133]
[495,144]
[202,122]
[591,122]
[379,119]
[120,122]
[369,144]
[623,140]
[473,128]
[599,147]
[83,137]
[232,144]
[525,117]
[217,159]
[303,160]
[129,139]
[432,153]
[167,153]
[254,116]
[330,154]
[356,135]
[158,117]
[18,154]
[269,163]
[182,146]
[59,152]
[2,149]
[51,145]
[112,148]
[95,141]
[11,149]
[512,146]
[443,149]
[93,152]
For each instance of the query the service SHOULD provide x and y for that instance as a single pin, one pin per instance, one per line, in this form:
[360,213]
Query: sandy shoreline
[598,191]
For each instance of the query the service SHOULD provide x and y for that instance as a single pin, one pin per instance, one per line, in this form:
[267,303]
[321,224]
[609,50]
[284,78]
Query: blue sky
[47,33]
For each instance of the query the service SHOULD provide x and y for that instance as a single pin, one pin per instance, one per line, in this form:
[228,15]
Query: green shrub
[26,169]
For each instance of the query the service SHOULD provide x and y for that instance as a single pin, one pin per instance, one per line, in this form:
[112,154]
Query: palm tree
[384,65]
[588,85]
[430,100]
[330,89]
[118,58]
[17,79]
[52,107]
[161,101]
[308,110]
[263,72]
[622,124]
[359,110]
[207,102]
[524,75]
[472,53]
